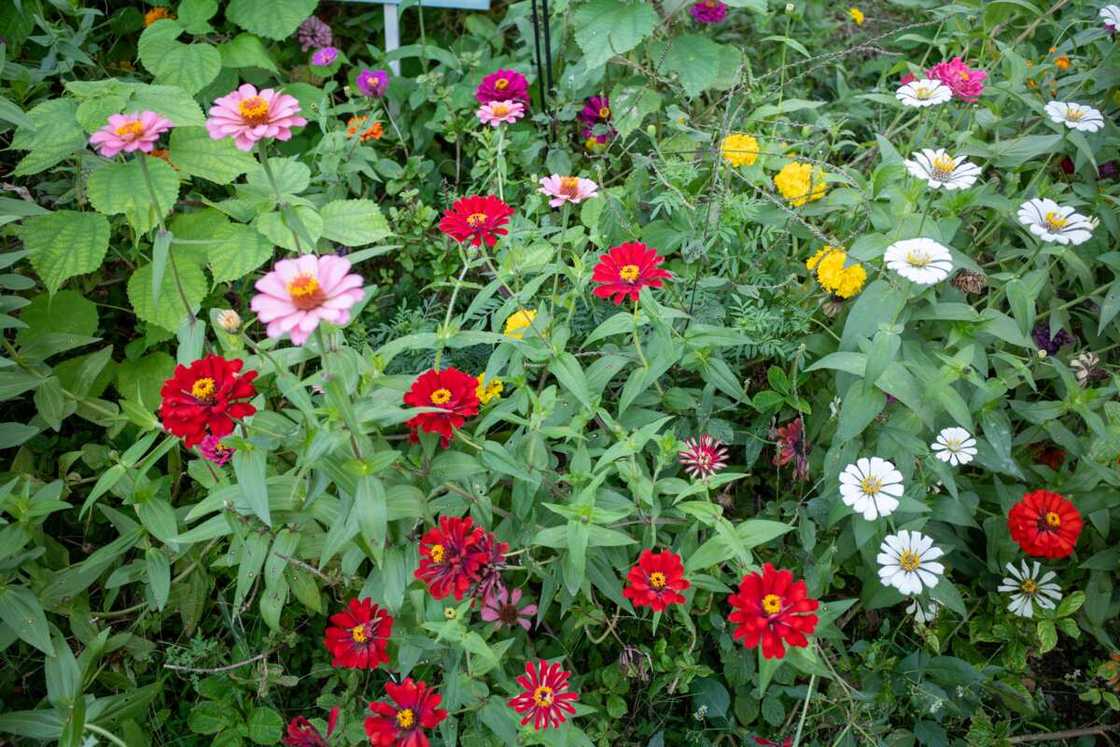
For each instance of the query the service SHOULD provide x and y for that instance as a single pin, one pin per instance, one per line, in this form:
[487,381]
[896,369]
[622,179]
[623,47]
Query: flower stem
[804,710]
[638,347]
[501,163]
[445,329]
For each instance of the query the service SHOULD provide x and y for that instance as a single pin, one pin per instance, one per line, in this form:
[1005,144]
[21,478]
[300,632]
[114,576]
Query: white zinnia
[923,92]
[1028,589]
[923,612]
[1075,116]
[954,445]
[921,261]
[1110,14]
[1050,221]
[939,169]
[907,562]
[871,487]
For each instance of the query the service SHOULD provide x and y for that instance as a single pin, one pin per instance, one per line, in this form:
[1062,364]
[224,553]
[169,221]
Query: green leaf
[246,50]
[237,251]
[64,244]
[169,312]
[195,15]
[20,610]
[250,467]
[272,19]
[1047,636]
[1071,604]
[605,28]
[66,312]
[194,152]
[54,135]
[14,434]
[210,718]
[158,569]
[118,188]
[170,101]
[860,407]
[142,378]
[279,228]
[265,726]
[695,60]
[353,222]
[189,66]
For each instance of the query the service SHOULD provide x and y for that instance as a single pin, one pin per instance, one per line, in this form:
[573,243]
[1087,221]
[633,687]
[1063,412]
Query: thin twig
[1088,731]
[215,670]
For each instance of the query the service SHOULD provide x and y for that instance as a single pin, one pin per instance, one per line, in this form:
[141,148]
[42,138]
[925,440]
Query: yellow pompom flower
[518,322]
[857,15]
[488,390]
[836,278]
[800,183]
[739,149]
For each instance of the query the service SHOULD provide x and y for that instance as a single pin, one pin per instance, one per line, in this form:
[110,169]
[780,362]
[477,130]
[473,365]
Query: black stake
[547,43]
[537,58]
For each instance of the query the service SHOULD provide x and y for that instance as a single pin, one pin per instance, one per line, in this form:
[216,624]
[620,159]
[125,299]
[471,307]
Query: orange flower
[156,14]
[356,124]
[1062,62]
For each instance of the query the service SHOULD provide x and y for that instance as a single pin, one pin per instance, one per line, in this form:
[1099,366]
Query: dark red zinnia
[544,697]
[656,580]
[451,556]
[770,608]
[626,269]
[451,390]
[358,637]
[493,559]
[476,218]
[503,85]
[206,398]
[402,722]
[792,447]
[302,733]
[1045,524]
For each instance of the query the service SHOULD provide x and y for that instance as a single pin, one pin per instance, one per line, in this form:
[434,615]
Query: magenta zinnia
[703,457]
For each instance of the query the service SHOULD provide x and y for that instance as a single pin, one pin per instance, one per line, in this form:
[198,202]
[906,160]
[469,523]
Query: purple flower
[314,33]
[708,11]
[1109,170]
[501,607]
[213,451]
[595,110]
[372,82]
[1050,343]
[324,56]
[503,85]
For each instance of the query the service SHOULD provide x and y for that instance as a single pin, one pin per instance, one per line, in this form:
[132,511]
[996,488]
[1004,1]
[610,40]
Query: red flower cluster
[1045,524]
[456,556]
[476,218]
[453,391]
[770,608]
[544,697]
[206,398]
[401,723]
[302,733]
[626,269]
[656,581]
[358,637]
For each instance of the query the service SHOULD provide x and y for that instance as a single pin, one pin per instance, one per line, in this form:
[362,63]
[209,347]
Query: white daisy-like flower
[939,169]
[871,487]
[923,611]
[907,561]
[1050,221]
[1027,589]
[1110,14]
[923,92]
[1075,116]
[921,261]
[954,445]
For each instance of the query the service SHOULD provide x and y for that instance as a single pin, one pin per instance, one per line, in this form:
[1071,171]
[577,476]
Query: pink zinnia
[571,189]
[503,85]
[129,132]
[496,113]
[214,451]
[248,116]
[300,293]
[703,457]
[501,607]
[966,83]
[708,11]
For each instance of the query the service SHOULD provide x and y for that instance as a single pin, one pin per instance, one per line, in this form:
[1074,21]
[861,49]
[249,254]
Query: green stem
[151,190]
[804,710]
[106,734]
[638,347]
[501,162]
[445,329]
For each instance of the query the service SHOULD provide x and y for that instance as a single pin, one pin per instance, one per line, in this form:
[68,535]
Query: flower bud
[229,320]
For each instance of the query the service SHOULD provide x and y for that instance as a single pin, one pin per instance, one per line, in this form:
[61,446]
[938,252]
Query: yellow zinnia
[519,321]
[857,15]
[800,183]
[739,149]
[836,278]
[488,390]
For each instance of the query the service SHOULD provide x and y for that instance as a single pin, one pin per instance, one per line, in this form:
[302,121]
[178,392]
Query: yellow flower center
[657,580]
[474,220]
[501,84]
[953,444]
[569,185]
[943,166]
[406,718]
[436,553]
[922,92]
[629,273]
[441,396]
[909,561]
[358,634]
[917,259]
[499,110]
[131,129]
[1053,520]
[1074,115]
[871,485]
[450,613]
[710,3]
[964,75]
[604,112]
[1029,586]
[305,293]
[1054,221]
[771,604]
[543,696]
[254,110]
[203,389]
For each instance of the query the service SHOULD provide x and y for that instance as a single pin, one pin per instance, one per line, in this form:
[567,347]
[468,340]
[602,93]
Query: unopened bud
[790,9]
[229,320]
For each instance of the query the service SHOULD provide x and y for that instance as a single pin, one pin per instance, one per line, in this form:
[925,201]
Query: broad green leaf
[237,250]
[189,66]
[194,152]
[265,726]
[66,312]
[279,228]
[605,28]
[20,610]
[250,467]
[170,311]
[695,60]
[53,136]
[353,222]
[121,188]
[246,50]
[158,570]
[64,244]
[272,19]
[195,15]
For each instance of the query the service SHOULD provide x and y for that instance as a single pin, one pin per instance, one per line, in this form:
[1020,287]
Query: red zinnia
[451,556]
[626,269]
[771,607]
[453,391]
[656,581]
[402,723]
[492,559]
[545,698]
[1045,524]
[792,447]
[206,397]
[476,218]
[302,733]
[358,637]
[787,742]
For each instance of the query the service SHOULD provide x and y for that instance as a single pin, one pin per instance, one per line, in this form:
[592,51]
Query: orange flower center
[358,634]
[474,220]
[1053,520]
[306,293]
[441,396]
[499,110]
[629,273]
[543,696]
[909,561]
[406,719]
[569,185]
[1029,586]
[436,553]
[203,389]
[657,580]
[501,84]
[964,75]
[710,3]
[772,604]
[130,130]
[254,110]
[604,112]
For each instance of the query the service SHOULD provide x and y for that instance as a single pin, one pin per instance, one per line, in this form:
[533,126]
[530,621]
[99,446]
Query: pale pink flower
[300,293]
[703,457]
[212,450]
[129,132]
[501,607]
[495,113]
[571,189]
[248,116]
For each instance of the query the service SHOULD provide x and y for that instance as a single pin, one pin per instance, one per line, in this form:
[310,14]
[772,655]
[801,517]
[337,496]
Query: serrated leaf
[276,228]
[695,60]
[272,19]
[246,50]
[237,251]
[53,136]
[64,244]
[189,66]
[169,312]
[120,188]
[194,152]
[353,222]
[605,28]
